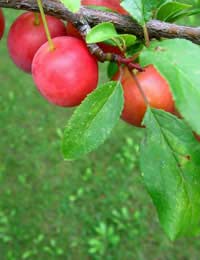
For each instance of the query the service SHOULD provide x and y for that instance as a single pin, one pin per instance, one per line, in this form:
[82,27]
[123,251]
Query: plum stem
[146,36]
[37,19]
[44,20]
[139,87]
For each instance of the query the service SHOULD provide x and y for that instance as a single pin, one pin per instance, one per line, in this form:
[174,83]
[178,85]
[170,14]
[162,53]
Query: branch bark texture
[123,24]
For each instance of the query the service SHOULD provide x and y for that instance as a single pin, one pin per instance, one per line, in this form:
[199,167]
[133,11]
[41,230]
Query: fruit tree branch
[122,23]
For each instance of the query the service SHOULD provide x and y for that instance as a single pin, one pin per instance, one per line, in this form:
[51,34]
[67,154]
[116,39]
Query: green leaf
[106,31]
[93,120]
[168,11]
[112,69]
[177,60]
[127,39]
[193,11]
[72,5]
[101,32]
[185,13]
[141,10]
[134,49]
[170,159]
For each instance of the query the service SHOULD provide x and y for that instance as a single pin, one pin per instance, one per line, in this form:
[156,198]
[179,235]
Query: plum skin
[155,88]
[67,74]
[25,38]
[2,24]
[114,5]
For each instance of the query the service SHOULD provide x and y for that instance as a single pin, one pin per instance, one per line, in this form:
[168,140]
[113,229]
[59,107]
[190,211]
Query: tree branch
[123,24]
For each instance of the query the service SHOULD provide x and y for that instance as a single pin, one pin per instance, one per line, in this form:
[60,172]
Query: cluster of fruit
[66,73]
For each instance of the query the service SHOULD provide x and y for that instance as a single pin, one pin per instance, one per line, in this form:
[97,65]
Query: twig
[124,24]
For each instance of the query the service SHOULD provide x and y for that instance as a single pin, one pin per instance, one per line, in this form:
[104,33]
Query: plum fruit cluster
[65,74]
[68,72]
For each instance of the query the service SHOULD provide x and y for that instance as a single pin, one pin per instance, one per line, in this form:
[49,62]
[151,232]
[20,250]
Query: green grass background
[93,208]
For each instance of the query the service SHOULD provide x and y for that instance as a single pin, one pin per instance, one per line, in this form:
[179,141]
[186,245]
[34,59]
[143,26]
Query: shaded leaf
[185,13]
[168,11]
[141,10]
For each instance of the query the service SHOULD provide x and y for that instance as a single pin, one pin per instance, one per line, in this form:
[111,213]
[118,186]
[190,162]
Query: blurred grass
[94,208]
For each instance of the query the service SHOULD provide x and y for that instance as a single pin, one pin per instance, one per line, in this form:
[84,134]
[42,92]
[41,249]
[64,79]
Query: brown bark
[123,24]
